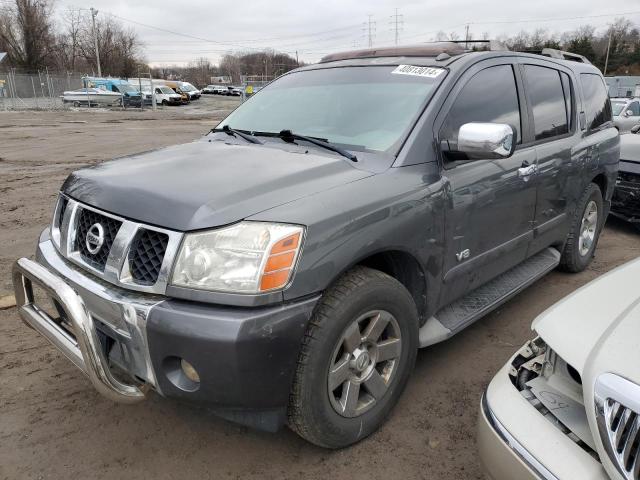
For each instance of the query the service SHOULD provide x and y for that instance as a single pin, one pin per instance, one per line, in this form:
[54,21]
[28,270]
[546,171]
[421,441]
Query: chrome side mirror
[486,140]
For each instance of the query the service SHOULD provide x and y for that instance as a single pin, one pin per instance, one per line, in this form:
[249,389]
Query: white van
[164,94]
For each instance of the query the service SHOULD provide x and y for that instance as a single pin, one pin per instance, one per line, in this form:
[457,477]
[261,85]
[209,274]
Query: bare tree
[26,33]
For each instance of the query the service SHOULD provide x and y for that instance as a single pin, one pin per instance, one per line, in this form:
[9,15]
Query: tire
[581,246]
[322,413]
[165,103]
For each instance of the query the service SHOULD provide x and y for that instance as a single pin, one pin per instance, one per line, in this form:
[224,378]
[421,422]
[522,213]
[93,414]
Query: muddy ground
[54,425]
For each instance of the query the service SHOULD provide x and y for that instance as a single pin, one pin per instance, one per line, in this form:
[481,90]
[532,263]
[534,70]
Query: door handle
[526,171]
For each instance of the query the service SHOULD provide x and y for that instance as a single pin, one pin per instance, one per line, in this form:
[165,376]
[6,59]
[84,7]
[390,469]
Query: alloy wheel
[588,228]
[364,363]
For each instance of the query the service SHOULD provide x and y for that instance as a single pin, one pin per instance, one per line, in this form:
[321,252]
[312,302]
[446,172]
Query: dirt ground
[54,425]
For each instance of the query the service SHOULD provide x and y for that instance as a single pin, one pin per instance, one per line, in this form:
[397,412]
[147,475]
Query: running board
[456,316]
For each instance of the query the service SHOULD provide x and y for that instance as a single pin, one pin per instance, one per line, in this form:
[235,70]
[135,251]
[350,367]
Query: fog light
[190,372]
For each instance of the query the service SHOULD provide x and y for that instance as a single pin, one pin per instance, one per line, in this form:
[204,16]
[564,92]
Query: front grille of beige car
[618,418]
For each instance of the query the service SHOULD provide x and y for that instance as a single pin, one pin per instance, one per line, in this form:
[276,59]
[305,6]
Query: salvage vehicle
[626,196]
[567,404]
[220,90]
[286,267]
[626,113]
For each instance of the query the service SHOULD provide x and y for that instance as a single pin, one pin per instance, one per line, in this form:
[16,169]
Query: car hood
[595,316]
[630,147]
[206,183]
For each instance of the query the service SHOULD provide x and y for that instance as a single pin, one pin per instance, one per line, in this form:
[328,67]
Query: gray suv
[285,268]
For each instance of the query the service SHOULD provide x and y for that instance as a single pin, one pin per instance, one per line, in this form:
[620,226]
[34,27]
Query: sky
[313,28]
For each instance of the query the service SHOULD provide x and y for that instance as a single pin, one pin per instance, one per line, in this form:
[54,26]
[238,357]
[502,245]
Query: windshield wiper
[289,136]
[233,132]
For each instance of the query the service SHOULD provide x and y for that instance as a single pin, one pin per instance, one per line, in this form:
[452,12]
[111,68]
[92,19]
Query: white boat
[92,96]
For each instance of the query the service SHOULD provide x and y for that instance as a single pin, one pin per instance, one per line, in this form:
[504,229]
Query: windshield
[124,88]
[187,87]
[167,90]
[359,107]
[618,107]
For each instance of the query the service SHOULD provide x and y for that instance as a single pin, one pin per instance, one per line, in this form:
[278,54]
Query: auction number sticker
[429,72]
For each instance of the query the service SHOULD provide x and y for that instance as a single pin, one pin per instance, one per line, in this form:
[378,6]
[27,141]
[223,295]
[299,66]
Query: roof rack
[492,45]
[560,54]
[445,50]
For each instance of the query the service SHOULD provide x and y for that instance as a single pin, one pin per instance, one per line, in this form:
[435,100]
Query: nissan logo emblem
[95,238]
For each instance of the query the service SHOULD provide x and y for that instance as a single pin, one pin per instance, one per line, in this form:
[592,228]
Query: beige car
[567,405]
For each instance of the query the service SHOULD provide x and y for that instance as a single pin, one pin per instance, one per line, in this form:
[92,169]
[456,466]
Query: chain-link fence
[36,91]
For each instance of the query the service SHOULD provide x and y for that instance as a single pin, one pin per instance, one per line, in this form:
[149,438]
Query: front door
[491,203]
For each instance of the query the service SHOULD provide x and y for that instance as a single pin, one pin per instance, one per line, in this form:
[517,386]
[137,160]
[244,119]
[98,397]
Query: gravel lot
[54,425]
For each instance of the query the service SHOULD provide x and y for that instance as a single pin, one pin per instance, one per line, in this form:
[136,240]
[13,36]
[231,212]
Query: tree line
[34,41]
[624,46]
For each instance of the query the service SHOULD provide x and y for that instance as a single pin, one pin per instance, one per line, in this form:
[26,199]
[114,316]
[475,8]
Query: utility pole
[398,20]
[606,61]
[371,28]
[94,12]
[466,36]
[297,61]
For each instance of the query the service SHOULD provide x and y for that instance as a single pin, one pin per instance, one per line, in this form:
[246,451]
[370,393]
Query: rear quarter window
[597,103]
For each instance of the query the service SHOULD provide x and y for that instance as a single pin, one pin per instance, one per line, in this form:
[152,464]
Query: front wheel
[585,231]
[356,358]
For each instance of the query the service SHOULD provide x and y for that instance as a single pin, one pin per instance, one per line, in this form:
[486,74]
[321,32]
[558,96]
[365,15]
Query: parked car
[626,113]
[166,96]
[209,89]
[192,91]
[626,197]
[220,90]
[567,405]
[285,268]
[177,88]
[131,97]
[234,91]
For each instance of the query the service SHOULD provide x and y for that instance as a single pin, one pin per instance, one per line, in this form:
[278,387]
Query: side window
[634,108]
[548,103]
[597,104]
[158,90]
[490,96]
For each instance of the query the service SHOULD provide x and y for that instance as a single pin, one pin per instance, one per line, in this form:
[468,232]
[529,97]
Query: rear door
[490,203]
[549,90]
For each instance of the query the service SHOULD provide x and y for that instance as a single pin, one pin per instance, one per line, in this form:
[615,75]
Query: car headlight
[249,257]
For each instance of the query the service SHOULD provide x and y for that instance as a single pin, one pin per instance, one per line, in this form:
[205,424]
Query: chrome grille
[618,417]
[623,429]
[133,255]
[86,220]
[146,255]
[61,209]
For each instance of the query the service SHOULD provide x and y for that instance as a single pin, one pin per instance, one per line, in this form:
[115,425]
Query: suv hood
[206,184]
[594,317]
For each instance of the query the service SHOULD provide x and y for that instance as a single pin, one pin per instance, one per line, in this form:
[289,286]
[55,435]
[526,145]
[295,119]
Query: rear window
[549,106]
[597,104]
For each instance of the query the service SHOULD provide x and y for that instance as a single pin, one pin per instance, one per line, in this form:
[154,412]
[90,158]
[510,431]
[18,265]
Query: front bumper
[128,343]
[517,441]
[625,203]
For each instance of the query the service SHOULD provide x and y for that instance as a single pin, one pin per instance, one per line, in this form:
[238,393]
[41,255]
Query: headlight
[249,257]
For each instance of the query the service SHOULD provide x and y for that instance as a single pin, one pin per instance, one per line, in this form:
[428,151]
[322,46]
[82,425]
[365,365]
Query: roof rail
[559,54]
